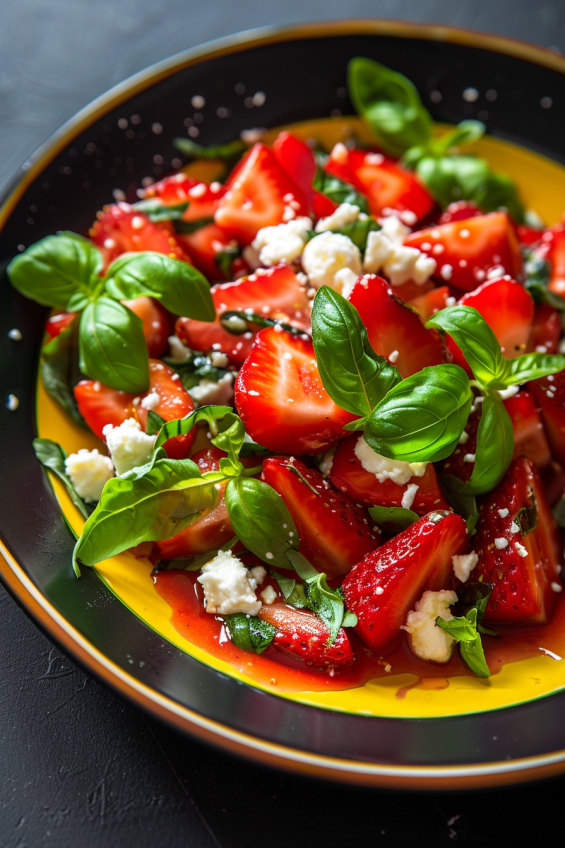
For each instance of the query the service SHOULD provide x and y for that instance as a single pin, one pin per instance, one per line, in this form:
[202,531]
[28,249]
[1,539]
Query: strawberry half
[465,251]
[529,436]
[273,292]
[122,229]
[383,588]
[297,160]
[306,637]
[281,400]
[549,394]
[518,546]
[394,330]
[204,245]
[431,302]
[202,198]
[334,532]
[348,476]
[546,329]
[460,210]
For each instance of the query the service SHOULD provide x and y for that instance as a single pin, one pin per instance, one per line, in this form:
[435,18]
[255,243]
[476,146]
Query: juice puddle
[183,594]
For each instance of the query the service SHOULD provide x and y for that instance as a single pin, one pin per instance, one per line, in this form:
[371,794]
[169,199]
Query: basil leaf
[479,345]
[188,227]
[231,150]
[476,595]
[52,456]
[531,366]
[112,346]
[172,495]
[458,498]
[338,190]
[60,370]
[182,426]
[301,565]
[53,269]
[286,584]
[230,439]
[394,519]
[327,604]
[179,286]
[154,422]
[495,446]
[192,370]
[465,630]
[238,322]
[354,376]
[358,231]
[466,132]
[421,419]
[390,104]
[249,632]
[261,520]
[224,260]
[157,211]
[559,512]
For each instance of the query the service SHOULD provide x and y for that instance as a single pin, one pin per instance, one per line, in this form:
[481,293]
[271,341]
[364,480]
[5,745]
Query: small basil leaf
[476,595]
[112,346]
[531,366]
[60,370]
[249,632]
[394,519]
[188,227]
[224,260]
[354,376]
[464,629]
[421,419]
[179,286]
[53,269]
[461,501]
[326,603]
[157,211]
[301,565]
[154,422]
[77,302]
[349,619]
[479,345]
[358,424]
[286,584]
[238,322]
[231,150]
[466,132]
[338,190]
[230,439]
[495,446]
[192,370]
[52,456]
[182,426]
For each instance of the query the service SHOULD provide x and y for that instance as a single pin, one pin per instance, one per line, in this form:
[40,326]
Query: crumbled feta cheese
[346,213]
[514,527]
[393,357]
[509,392]
[409,495]
[151,401]
[218,359]
[89,472]
[228,586]
[268,595]
[178,352]
[283,243]
[427,640]
[377,251]
[399,263]
[556,587]
[500,543]
[469,457]
[339,153]
[504,513]
[394,229]
[387,469]
[129,446]
[521,549]
[344,281]
[210,391]
[325,464]
[463,564]
[328,253]
[463,438]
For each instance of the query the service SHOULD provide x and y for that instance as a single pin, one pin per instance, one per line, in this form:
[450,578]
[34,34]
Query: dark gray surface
[79,767]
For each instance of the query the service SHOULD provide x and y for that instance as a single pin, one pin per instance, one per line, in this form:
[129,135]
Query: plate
[390,732]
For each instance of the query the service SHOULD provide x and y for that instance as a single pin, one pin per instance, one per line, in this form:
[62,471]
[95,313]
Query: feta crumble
[384,252]
[129,446]
[500,543]
[521,549]
[328,253]
[463,564]
[89,472]
[346,213]
[151,401]
[344,281]
[409,496]
[229,587]
[268,595]
[387,469]
[427,640]
[210,391]
[325,465]
[283,243]
[178,352]
[504,513]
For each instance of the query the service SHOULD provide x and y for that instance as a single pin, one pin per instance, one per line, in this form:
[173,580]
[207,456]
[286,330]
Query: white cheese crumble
[346,213]
[427,640]
[500,543]
[556,587]
[283,243]
[89,472]
[463,438]
[521,549]
[210,391]
[398,263]
[393,357]
[409,495]
[504,513]
[339,153]
[509,392]
[387,469]
[129,446]
[218,359]
[326,254]
[229,587]
[344,281]
[268,595]
[151,401]
[178,352]
[463,564]
[325,465]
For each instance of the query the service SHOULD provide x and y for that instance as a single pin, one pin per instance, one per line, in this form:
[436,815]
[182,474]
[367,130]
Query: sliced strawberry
[518,546]
[334,532]
[100,405]
[393,328]
[158,324]
[121,229]
[202,198]
[431,302]
[552,248]
[297,160]
[57,323]
[546,329]
[348,476]
[409,290]
[281,400]
[322,206]
[204,245]
[527,235]
[529,436]
[388,186]
[274,292]
[258,194]
[461,210]
[383,588]
[305,636]
[465,251]
[549,394]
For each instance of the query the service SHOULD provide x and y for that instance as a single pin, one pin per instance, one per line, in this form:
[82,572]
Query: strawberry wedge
[304,636]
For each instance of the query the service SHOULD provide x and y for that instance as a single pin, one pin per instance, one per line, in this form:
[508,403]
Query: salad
[329,391]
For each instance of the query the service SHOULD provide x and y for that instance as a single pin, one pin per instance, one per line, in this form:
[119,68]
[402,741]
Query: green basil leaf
[421,419]
[231,150]
[476,595]
[479,345]
[338,190]
[466,132]
[354,376]
[394,519]
[286,584]
[349,619]
[179,286]
[198,366]
[224,260]
[157,211]
[182,426]
[154,507]
[188,227]
[531,366]
[358,231]
[112,346]
[301,565]
[458,498]
[495,446]
[390,104]
[231,434]
[53,269]
[154,422]
[249,632]
[60,370]
[52,456]
[326,603]
[261,520]
[464,630]
[238,322]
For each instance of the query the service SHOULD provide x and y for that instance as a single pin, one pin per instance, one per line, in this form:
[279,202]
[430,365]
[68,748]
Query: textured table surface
[79,767]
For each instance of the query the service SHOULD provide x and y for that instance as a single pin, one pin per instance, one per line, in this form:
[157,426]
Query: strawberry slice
[121,229]
[552,248]
[383,588]
[274,293]
[394,330]
[387,186]
[281,400]
[527,235]
[204,245]
[431,302]
[546,329]
[348,476]
[305,636]
[465,251]
[297,160]
[259,193]
[518,546]
[549,394]
[334,532]
[202,198]
[99,405]
[456,464]
[322,206]
[57,323]
[461,210]
[529,436]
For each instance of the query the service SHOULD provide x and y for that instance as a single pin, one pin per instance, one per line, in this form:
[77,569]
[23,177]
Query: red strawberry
[431,302]
[322,206]
[519,548]
[258,194]
[57,323]
[467,250]
[281,400]
[297,160]
[121,229]
[202,198]
[348,475]
[549,394]
[528,236]
[387,186]
[552,248]
[158,324]
[546,329]
[204,244]
[529,436]
[383,588]
[305,636]
[461,210]
[274,293]
[334,532]
[394,330]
